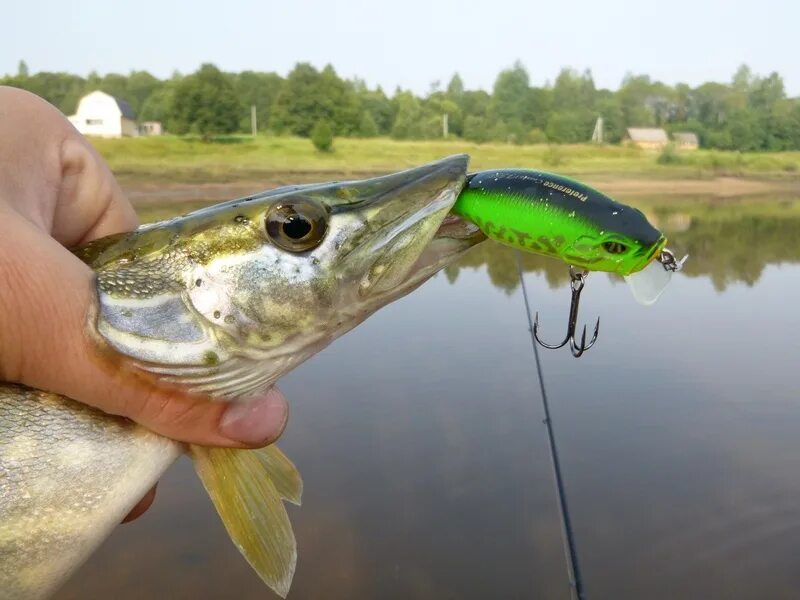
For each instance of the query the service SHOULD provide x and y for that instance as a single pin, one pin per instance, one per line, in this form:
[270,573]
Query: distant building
[647,138]
[151,128]
[103,115]
[685,140]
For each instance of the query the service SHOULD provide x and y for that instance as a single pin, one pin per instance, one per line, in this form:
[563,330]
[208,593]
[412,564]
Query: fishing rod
[567,535]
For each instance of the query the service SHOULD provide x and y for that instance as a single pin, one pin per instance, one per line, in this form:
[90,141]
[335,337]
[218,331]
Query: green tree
[632,96]
[511,93]
[767,92]
[476,129]
[139,87]
[476,103]
[159,105]
[309,96]
[455,89]
[260,90]
[539,106]
[322,136]
[22,70]
[613,119]
[412,121]
[62,90]
[439,104]
[343,102]
[368,128]
[573,91]
[205,103]
[570,126]
[378,106]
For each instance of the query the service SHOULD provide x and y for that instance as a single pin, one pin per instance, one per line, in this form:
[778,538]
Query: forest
[748,113]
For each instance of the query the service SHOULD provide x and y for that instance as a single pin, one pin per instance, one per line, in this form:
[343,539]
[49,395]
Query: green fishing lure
[560,217]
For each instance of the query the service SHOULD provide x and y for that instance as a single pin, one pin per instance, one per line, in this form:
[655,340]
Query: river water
[427,474]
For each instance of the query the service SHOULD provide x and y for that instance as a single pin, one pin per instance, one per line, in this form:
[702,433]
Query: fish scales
[60,466]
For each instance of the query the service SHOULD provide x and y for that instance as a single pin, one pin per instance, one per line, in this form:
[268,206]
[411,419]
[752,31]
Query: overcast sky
[411,43]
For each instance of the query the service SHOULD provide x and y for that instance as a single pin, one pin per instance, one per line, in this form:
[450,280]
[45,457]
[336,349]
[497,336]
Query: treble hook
[577,281]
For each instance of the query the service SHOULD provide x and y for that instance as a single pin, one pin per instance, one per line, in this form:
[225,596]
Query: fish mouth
[455,227]
[453,238]
[439,236]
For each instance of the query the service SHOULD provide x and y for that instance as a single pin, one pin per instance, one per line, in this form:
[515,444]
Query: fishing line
[567,536]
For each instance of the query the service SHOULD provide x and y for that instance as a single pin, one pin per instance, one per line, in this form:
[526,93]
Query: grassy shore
[171,159]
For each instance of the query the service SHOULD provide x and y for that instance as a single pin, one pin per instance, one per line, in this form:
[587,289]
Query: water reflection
[419,436]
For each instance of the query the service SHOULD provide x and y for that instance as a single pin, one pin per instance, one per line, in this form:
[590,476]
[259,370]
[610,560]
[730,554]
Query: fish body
[223,302]
[66,471]
[557,216]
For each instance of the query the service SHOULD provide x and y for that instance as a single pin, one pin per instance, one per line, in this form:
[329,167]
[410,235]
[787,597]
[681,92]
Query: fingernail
[256,422]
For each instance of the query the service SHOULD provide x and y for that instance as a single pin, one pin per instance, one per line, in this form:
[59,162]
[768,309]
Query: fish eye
[615,247]
[297,226]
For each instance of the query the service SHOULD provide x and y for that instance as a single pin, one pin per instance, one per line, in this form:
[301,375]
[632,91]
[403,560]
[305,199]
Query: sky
[411,43]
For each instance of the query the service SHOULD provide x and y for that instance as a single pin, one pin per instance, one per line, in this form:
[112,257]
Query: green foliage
[205,103]
[613,119]
[476,129]
[570,126]
[159,106]
[368,128]
[574,92]
[749,113]
[455,89]
[309,96]
[413,120]
[510,98]
[259,90]
[60,89]
[669,156]
[537,136]
[322,136]
[379,108]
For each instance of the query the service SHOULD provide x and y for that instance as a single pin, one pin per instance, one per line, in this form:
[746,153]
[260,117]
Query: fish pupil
[296,227]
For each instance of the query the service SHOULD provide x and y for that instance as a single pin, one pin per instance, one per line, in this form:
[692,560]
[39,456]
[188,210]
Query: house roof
[685,137]
[125,108]
[643,134]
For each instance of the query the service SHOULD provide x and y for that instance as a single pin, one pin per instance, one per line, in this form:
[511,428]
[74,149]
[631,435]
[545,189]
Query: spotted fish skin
[61,487]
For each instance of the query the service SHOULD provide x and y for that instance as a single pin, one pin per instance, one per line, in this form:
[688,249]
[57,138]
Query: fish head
[227,299]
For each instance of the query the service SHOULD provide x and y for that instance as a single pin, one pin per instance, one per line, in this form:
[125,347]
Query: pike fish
[223,302]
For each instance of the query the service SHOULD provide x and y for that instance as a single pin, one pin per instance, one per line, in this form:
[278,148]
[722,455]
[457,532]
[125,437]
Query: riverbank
[183,168]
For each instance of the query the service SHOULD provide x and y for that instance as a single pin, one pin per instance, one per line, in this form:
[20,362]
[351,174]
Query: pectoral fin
[247,487]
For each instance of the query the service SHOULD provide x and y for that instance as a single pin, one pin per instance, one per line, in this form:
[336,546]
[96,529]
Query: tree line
[748,113]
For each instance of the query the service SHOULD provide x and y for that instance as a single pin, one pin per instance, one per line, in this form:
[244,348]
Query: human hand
[57,193]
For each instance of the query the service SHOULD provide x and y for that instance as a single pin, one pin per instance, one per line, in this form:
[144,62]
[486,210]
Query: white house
[105,116]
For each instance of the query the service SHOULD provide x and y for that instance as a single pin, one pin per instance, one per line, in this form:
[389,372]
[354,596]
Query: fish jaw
[210,303]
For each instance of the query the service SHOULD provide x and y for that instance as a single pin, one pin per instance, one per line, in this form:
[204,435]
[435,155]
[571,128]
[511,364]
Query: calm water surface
[425,461]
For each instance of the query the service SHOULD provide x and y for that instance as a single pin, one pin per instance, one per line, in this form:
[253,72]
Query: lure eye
[297,226]
[615,247]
